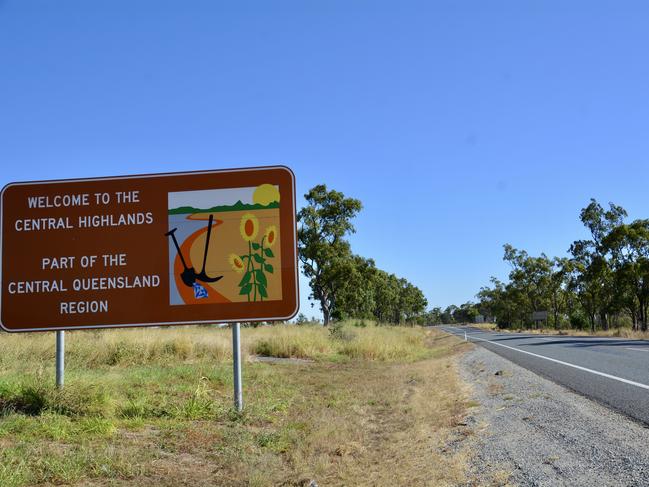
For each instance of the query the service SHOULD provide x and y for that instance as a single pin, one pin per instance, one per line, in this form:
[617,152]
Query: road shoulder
[531,431]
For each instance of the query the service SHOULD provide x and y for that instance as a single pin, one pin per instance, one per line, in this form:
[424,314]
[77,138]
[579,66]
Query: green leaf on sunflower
[258,258]
[269,253]
[262,291]
[269,268]
[255,246]
[246,289]
[261,278]
[246,279]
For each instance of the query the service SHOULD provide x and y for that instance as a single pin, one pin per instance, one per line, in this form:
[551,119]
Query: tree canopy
[603,282]
[347,285]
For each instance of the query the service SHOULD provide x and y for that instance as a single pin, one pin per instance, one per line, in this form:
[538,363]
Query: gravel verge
[531,431]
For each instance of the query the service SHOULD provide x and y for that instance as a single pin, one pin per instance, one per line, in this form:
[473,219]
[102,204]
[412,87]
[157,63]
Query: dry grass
[379,406]
[141,346]
[352,423]
[611,333]
[485,326]
[392,431]
[289,341]
[384,343]
[91,349]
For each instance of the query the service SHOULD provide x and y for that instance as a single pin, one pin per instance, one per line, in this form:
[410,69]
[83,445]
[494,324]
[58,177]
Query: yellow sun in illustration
[265,194]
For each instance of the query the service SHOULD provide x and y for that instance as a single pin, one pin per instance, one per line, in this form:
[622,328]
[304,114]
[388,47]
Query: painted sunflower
[236,263]
[270,236]
[249,227]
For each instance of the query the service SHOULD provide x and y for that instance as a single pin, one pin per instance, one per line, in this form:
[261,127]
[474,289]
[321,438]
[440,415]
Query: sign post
[60,358]
[151,250]
[236,365]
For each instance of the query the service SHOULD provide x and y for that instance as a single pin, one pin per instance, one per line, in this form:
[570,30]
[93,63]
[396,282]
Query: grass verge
[610,333]
[378,406]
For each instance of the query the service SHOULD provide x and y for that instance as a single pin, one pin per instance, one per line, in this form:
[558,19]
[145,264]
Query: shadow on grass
[34,399]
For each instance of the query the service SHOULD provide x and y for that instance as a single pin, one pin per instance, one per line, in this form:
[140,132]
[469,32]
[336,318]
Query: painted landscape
[243,251]
[238,206]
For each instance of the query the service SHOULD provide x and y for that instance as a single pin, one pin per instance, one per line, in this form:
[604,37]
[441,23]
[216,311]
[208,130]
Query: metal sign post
[60,358]
[236,365]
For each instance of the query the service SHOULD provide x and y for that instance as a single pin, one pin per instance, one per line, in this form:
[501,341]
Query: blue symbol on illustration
[199,291]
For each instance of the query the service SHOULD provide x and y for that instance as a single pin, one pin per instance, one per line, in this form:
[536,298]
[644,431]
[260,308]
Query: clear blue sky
[460,126]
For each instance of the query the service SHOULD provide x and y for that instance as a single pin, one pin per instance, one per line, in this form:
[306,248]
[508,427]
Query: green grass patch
[155,406]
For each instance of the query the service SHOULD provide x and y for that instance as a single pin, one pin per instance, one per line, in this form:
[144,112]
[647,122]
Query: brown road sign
[163,249]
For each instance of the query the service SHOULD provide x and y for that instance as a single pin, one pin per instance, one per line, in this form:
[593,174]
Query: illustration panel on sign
[224,245]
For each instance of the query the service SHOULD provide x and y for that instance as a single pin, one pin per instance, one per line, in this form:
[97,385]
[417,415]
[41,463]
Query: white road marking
[638,349]
[567,364]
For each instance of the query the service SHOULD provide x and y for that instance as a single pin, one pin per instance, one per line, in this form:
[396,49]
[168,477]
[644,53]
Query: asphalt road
[612,371]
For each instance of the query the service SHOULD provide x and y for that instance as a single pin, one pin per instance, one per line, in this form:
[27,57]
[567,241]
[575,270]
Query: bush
[578,321]
[337,331]
[301,319]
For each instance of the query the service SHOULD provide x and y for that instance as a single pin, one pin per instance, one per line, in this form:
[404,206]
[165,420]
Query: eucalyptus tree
[558,290]
[412,302]
[448,314]
[532,277]
[386,296]
[606,274]
[324,252]
[629,247]
[592,278]
[466,313]
[357,296]
[434,316]
[497,301]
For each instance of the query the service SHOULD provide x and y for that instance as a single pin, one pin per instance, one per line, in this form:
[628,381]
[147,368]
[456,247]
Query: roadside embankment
[346,405]
[531,431]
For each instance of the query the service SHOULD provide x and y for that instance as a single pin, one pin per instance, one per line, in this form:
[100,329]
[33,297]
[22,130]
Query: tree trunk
[326,314]
[603,320]
[592,322]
